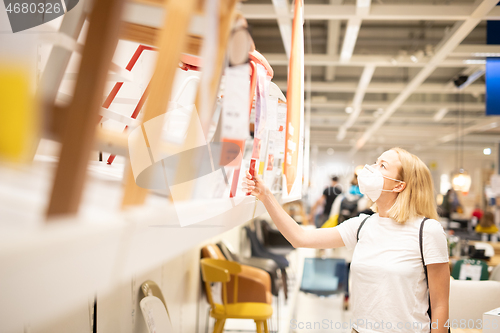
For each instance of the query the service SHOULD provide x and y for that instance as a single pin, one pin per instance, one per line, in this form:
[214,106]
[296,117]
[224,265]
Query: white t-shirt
[388,289]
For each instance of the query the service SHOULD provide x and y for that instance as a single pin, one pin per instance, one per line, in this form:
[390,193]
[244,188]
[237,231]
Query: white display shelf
[48,269]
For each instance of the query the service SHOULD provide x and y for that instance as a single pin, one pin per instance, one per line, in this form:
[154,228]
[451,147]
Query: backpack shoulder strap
[420,241]
[360,226]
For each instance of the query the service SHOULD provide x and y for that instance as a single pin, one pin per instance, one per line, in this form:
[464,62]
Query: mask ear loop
[401,181]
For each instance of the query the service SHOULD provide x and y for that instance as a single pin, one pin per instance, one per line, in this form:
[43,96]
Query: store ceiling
[394,75]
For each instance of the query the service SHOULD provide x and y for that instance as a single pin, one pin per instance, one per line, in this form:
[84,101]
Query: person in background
[487,224]
[393,280]
[327,199]
[451,204]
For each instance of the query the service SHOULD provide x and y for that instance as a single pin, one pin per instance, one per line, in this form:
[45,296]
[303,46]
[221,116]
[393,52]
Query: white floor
[302,312]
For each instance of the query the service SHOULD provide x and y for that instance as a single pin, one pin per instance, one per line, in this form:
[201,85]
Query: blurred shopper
[451,204]
[389,285]
[329,195]
[487,225]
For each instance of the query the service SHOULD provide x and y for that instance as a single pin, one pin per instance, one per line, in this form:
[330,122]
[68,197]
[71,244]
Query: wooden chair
[213,271]
[254,283]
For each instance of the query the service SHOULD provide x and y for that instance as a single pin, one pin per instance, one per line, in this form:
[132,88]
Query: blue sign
[492,86]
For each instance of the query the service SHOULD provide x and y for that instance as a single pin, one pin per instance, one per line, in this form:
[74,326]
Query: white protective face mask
[371,182]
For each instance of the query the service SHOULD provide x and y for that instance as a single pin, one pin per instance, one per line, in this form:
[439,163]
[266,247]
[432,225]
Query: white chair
[495,274]
[155,315]
[470,299]
[489,251]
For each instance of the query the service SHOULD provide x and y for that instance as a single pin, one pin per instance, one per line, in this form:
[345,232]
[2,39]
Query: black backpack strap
[360,226]
[421,242]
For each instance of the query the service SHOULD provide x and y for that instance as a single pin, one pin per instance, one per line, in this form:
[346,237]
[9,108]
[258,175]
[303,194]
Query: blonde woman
[389,291]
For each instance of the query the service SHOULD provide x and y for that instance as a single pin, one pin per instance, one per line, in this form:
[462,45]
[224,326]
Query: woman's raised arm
[298,237]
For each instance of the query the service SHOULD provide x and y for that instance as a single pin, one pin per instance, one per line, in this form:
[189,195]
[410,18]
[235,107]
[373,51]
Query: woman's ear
[400,187]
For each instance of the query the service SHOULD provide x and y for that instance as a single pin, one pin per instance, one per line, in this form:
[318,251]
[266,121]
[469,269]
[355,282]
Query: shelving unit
[48,270]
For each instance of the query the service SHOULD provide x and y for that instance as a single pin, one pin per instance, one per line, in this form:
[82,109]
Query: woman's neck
[383,206]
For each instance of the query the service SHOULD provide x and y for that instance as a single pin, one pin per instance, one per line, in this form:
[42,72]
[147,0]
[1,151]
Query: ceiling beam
[284,19]
[356,108]
[332,42]
[367,105]
[328,117]
[280,59]
[377,12]
[480,126]
[452,39]
[471,50]
[381,87]
[352,30]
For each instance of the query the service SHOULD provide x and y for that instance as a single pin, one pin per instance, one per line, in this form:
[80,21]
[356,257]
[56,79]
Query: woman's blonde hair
[417,199]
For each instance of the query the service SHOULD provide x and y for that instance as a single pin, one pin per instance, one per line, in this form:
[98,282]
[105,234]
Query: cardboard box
[491,321]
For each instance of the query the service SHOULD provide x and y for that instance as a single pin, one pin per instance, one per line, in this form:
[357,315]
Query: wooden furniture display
[171,38]
[214,270]
[254,283]
[99,244]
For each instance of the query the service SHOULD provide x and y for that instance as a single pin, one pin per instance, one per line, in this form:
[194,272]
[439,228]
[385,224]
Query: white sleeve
[435,246]
[349,229]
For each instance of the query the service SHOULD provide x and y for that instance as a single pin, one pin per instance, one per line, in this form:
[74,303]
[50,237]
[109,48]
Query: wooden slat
[80,123]
[148,35]
[198,9]
[171,41]
[227,16]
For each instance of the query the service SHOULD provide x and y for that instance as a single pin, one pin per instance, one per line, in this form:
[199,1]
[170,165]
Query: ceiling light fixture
[487,151]
[474,62]
[349,109]
[440,114]
[351,35]
[379,112]
[486,54]
[363,3]
[461,180]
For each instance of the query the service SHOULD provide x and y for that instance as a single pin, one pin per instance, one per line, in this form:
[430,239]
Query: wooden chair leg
[216,325]
[221,326]
[258,323]
[81,115]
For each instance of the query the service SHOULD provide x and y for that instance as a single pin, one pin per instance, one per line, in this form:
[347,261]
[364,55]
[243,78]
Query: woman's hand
[256,186]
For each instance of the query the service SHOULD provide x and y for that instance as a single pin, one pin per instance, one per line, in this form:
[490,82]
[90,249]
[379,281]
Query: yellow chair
[216,270]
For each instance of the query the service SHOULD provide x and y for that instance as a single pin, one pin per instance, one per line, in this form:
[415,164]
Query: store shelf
[49,269]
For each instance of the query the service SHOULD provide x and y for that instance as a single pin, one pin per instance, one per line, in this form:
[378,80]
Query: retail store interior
[127,128]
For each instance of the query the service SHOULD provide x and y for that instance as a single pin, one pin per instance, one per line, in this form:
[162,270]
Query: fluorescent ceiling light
[486,54]
[440,114]
[351,35]
[474,62]
[487,151]
[363,3]
[342,133]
